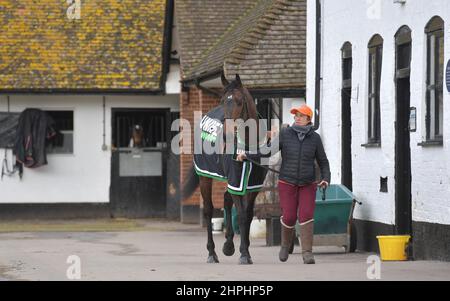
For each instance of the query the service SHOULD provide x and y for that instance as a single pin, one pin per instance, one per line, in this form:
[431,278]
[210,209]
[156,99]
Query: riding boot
[287,236]
[306,238]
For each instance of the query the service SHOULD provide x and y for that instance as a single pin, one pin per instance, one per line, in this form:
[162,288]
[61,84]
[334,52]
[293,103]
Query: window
[269,109]
[375,58]
[154,124]
[403,56]
[435,79]
[63,142]
[403,44]
[347,65]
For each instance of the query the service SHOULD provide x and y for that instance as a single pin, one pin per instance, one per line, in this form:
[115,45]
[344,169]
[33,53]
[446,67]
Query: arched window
[435,79]
[375,58]
[346,65]
[403,52]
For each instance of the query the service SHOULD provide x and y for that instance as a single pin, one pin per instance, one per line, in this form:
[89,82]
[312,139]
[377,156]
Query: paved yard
[158,250]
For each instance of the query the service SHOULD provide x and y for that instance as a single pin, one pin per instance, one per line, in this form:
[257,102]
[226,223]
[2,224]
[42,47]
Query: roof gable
[266,47]
[213,58]
[273,52]
[201,23]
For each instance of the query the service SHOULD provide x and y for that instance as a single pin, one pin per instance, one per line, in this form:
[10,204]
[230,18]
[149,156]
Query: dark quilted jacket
[297,166]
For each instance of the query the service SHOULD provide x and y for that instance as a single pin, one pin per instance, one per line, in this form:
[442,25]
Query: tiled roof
[114,45]
[216,55]
[201,23]
[273,52]
[267,47]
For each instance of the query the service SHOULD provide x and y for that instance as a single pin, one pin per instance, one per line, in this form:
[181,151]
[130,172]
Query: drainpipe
[318,78]
[167,44]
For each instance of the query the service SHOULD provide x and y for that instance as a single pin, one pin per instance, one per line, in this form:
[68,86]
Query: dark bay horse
[137,137]
[236,103]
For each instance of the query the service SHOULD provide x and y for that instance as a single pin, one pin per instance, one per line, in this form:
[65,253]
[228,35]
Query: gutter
[194,79]
[208,90]
[84,91]
[256,92]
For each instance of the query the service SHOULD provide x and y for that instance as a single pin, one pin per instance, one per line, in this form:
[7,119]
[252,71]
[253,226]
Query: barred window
[269,109]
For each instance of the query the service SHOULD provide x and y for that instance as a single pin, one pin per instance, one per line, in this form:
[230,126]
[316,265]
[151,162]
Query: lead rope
[278,172]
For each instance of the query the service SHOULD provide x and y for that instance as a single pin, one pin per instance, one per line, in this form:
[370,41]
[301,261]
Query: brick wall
[191,101]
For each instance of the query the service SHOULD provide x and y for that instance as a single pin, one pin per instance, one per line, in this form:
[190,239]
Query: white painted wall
[83,176]
[173,85]
[357,21]
[288,104]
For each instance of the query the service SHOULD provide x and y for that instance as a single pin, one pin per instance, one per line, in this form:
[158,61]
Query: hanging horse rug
[210,161]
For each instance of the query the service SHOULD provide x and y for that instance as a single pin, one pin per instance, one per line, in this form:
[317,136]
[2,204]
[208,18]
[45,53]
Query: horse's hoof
[212,259]
[245,260]
[228,248]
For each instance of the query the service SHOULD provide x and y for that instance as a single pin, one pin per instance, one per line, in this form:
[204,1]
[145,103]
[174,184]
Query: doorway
[403,212]
[346,115]
[138,171]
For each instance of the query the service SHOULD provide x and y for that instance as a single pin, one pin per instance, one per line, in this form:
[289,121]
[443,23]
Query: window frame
[57,150]
[375,59]
[346,63]
[434,85]
[274,109]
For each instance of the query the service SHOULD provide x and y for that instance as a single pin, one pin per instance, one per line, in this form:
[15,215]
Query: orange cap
[304,109]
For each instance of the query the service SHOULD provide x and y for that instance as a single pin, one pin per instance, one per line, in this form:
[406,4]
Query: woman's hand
[323,184]
[241,157]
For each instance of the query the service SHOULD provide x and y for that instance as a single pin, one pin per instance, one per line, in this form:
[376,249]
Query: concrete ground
[159,250]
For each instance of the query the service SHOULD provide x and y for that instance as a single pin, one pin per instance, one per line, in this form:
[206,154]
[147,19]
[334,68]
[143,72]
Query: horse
[236,103]
[137,137]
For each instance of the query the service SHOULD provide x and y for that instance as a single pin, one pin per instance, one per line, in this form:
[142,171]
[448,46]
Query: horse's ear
[225,82]
[238,80]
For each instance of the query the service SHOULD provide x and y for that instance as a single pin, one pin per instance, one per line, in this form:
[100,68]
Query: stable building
[263,41]
[99,69]
[379,75]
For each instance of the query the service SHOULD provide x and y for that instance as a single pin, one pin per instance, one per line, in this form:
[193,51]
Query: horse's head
[237,100]
[239,106]
[138,135]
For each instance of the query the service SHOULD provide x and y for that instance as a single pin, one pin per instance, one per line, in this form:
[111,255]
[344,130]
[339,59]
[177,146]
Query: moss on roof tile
[113,45]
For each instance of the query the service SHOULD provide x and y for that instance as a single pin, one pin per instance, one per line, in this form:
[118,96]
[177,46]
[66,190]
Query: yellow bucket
[393,247]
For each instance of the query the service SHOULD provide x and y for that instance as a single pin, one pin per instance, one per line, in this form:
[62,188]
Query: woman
[300,147]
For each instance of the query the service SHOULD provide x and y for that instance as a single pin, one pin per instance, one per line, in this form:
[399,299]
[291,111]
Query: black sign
[448,76]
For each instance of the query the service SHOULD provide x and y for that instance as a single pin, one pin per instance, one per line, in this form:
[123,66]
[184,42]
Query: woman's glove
[323,184]
[241,157]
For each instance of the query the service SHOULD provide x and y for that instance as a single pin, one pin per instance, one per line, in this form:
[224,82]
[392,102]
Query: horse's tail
[190,184]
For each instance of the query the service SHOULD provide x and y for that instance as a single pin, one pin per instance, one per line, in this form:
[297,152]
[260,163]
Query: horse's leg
[241,206]
[228,246]
[251,197]
[206,191]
